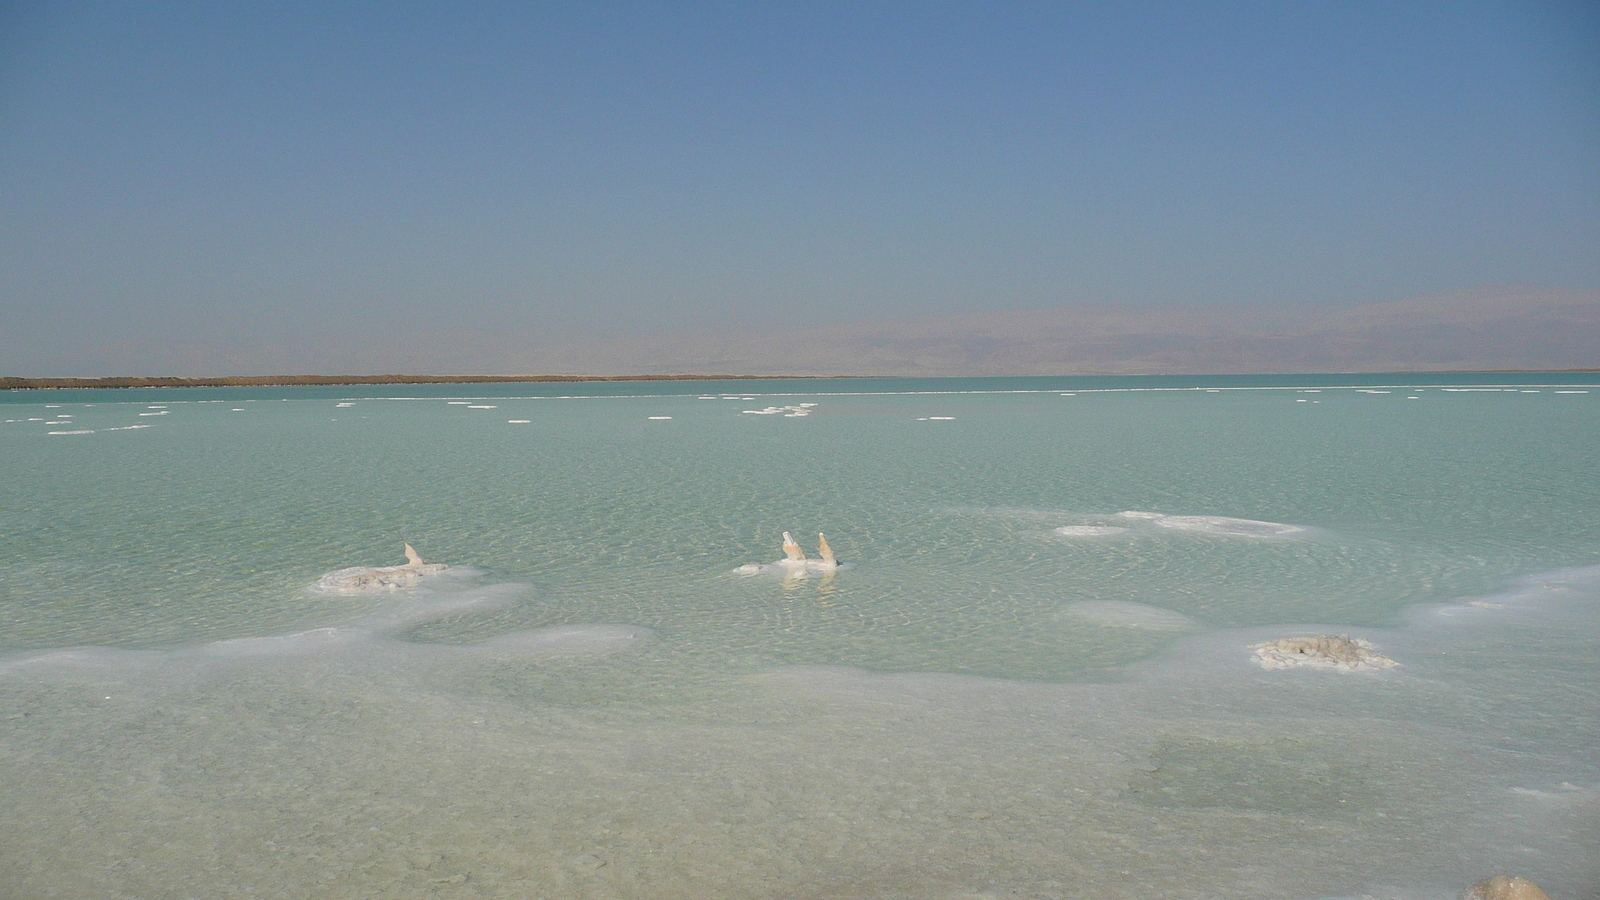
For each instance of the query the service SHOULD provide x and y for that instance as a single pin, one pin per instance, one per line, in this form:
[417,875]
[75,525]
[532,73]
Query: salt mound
[1130,615]
[1089,530]
[386,578]
[794,564]
[1342,653]
[1502,888]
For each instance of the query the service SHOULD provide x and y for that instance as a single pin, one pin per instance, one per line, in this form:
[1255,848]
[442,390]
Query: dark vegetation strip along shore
[278,380]
[18,384]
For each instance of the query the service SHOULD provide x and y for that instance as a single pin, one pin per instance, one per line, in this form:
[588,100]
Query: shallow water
[1032,678]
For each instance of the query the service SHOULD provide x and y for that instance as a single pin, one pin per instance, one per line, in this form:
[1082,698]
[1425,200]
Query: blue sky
[269,172]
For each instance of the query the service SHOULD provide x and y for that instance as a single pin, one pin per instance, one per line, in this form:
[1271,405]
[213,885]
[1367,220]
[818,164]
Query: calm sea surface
[1031,678]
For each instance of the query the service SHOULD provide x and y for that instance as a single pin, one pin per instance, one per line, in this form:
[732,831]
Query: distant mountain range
[1489,329]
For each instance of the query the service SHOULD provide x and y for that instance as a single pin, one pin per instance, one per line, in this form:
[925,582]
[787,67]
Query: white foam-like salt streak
[1228,526]
[1090,530]
[480,406]
[71,432]
[519,421]
[1223,525]
[1124,614]
[658,418]
[162,413]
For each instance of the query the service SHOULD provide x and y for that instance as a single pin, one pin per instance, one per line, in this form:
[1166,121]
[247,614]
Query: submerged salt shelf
[1015,691]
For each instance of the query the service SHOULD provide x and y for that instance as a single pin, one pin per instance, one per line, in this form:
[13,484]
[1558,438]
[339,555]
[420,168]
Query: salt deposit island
[794,563]
[384,578]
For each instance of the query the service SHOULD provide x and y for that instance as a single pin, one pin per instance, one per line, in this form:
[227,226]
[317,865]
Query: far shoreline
[31,384]
[36,384]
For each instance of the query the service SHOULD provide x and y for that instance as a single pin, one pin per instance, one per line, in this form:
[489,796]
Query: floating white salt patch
[1530,392]
[455,403]
[36,420]
[1069,395]
[1413,398]
[343,405]
[1135,514]
[155,407]
[941,418]
[808,404]
[659,418]
[1342,654]
[1300,400]
[162,413]
[63,415]
[481,407]
[1090,530]
[1226,525]
[1130,615]
[519,421]
[1367,391]
[52,406]
[237,409]
[1572,392]
[128,428]
[71,432]
[58,422]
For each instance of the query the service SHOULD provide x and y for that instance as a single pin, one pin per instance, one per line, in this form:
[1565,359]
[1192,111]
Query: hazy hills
[1486,329]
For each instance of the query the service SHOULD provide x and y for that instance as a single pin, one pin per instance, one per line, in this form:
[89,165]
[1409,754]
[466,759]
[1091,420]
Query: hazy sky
[274,172]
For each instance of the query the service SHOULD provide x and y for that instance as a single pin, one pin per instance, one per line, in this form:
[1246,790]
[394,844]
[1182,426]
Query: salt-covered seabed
[345,762]
[1001,696]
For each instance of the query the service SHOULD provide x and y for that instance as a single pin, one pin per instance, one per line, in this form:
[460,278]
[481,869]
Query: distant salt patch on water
[71,432]
[161,413]
[797,411]
[1228,526]
[659,418]
[1129,615]
[1224,525]
[128,428]
[519,421]
[1090,530]
[480,406]
[343,405]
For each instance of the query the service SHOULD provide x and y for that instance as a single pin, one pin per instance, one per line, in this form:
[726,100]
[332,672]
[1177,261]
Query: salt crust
[1342,654]
[795,564]
[1501,887]
[358,579]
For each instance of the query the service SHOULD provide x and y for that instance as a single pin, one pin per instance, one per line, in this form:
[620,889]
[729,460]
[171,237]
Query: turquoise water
[591,702]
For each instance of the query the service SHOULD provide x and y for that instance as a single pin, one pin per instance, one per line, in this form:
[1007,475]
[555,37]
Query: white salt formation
[794,563]
[384,578]
[1342,653]
[1501,887]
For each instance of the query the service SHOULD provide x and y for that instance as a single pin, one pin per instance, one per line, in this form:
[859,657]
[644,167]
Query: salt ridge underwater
[589,702]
